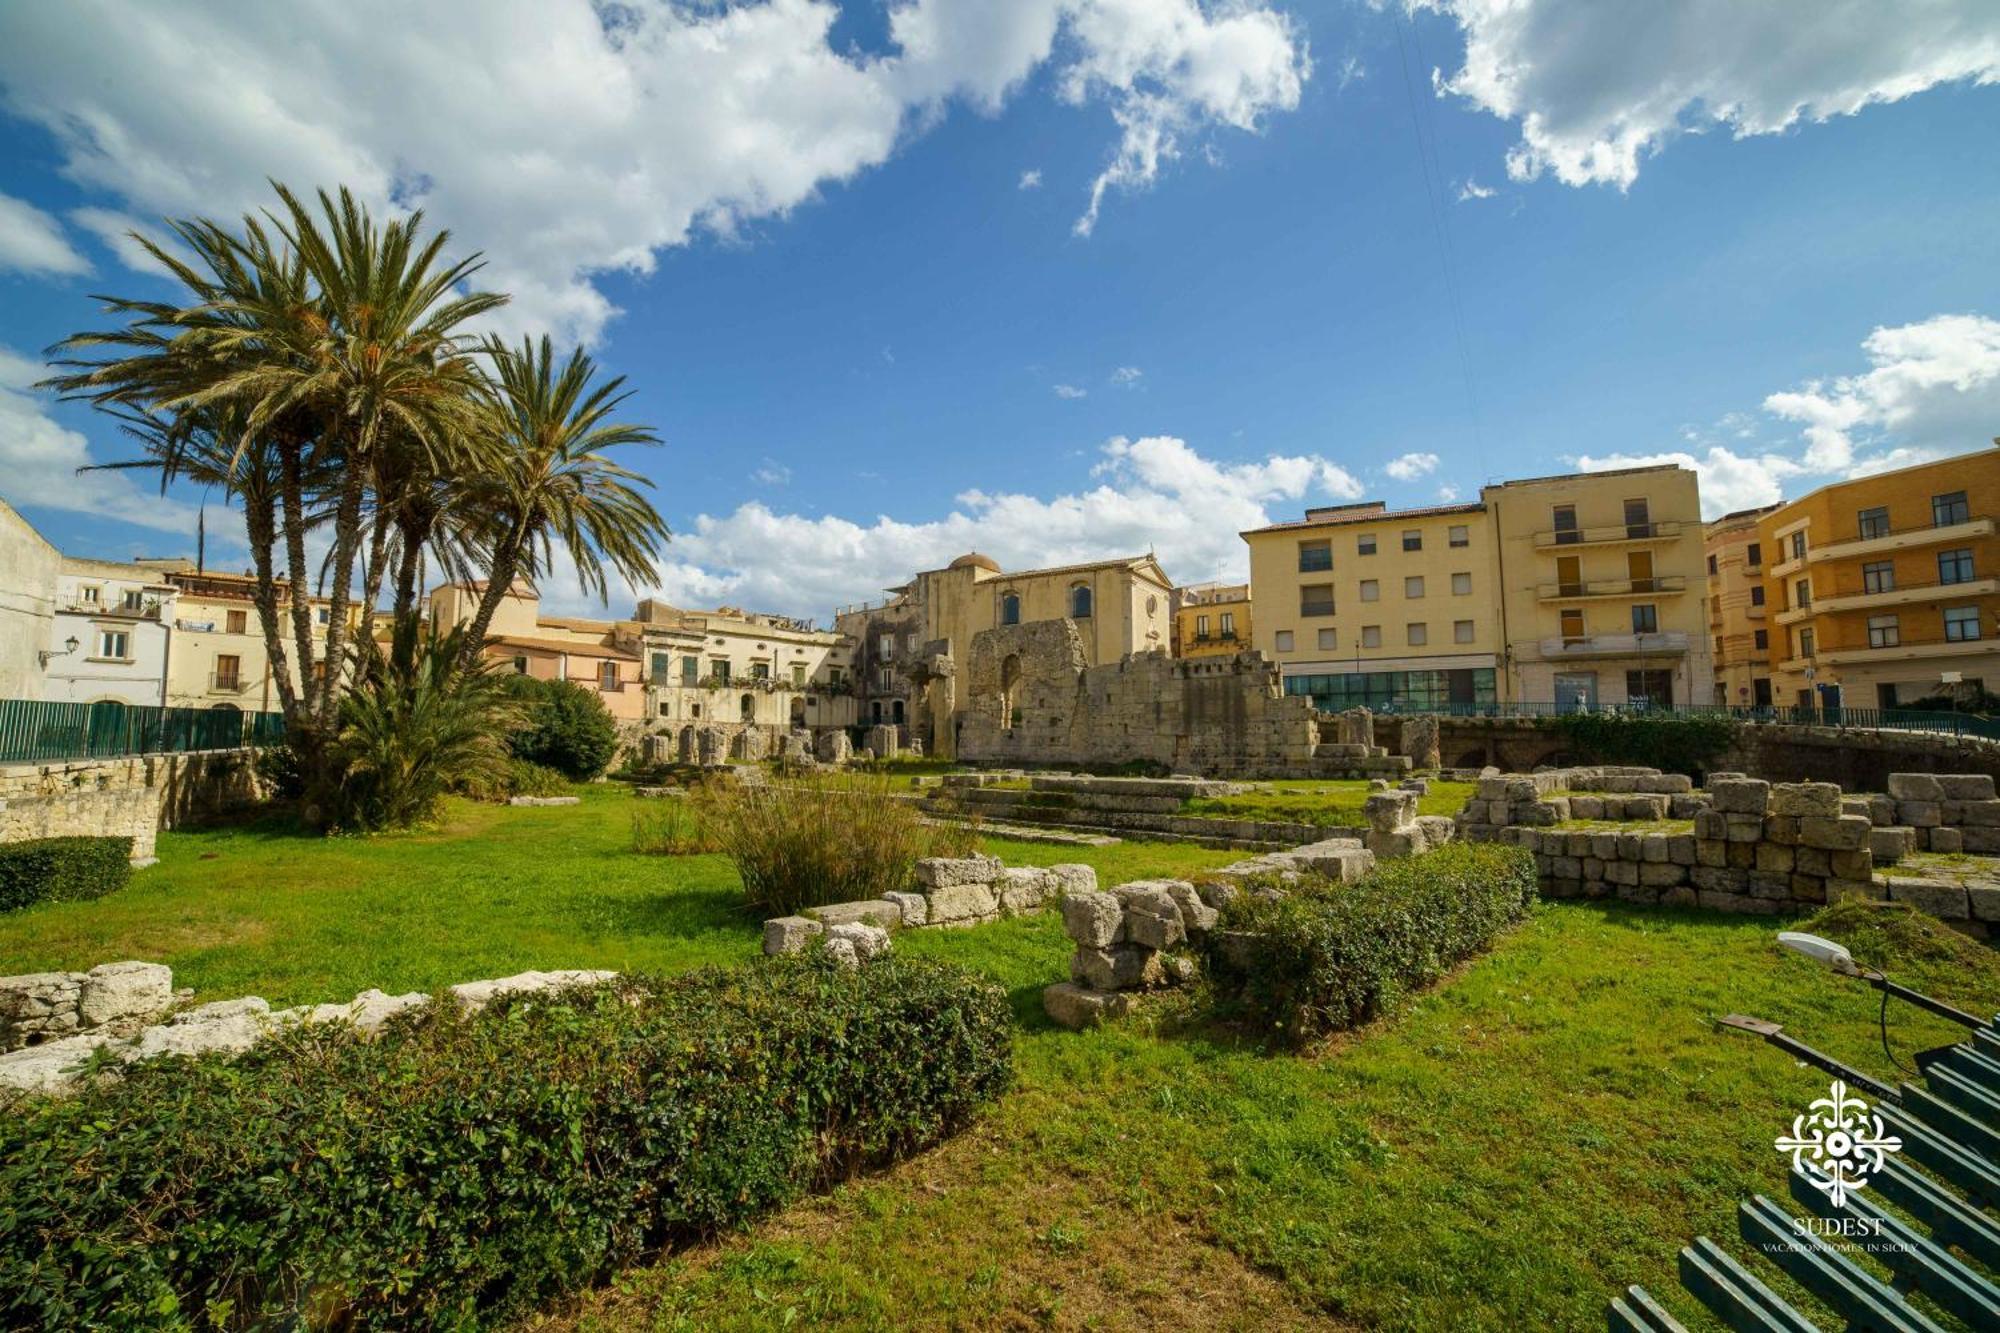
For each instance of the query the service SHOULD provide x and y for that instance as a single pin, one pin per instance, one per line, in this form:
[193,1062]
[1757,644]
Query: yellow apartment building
[217,657]
[1362,605]
[1739,618]
[1886,589]
[1603,590]
[1211,619]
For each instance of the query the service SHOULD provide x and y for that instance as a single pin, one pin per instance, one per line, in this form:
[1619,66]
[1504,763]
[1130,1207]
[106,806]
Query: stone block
[1919,814]
[791,933]
[1841,833]
[868,911]
[1984,813]
[1621,872]
[1890,845]
[1072,1006]
[1653,847]
[1978,841]
[915,907]
[1782,829]
[1770,884]
[1741,855]
[1939,897]
[1197,917]
[1881,810]
[1711,879]
[868,942]
[1966,786]
[1984,901]
[1744,827]
[1586,807]
[1814,860]
[474,995]
[1681,848]
[1717,901]
[1805,798]
[1866,890]
[1662,874]
[118,992]
[1071,877]
[1686,805]
[939,872]
[1774,858]
[1712,825]
[1681,896]
[1092,919]
[1945,840]
[953,904]
[1743,796]
[1859,864]
[1120,967]
[1915,787]
[1709,853]
[1024,889]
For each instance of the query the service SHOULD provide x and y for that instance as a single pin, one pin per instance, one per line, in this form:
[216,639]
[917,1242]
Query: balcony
[1671,585]
[1910,593]
[145,609]
[1620,534]
[1572,648]
[1905,650]
[1792,615]
[226,682]
[1902,539]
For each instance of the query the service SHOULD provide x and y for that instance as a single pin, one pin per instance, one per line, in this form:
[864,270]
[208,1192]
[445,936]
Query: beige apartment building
[600,655]
[1739,618]
[1885,590]
[1603,589]
[217,658]
[1583,591]
[1362,605]
[730,665]
[1211,619]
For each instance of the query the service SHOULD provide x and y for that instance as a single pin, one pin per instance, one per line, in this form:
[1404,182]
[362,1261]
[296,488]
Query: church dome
[974,560]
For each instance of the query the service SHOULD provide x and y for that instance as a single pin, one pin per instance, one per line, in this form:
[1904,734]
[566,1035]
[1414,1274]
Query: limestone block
[1071,877]
[1388,845]
[1744,796]
[1586,807]
[368,1012]
[869,942]
[1741,855]
[868,911]
[1867,890]
[1681,896]
[1093,919]
[1661,874]
[1851,865]
[1024,888]
[1782,828]
[1720,880]
[1718,901]
[1945,840]
[1744,827]
[227,1025]
[1712,825]
[842,951]
[1843,833]
[1979,841]
[1815,860]
[112,992]
[1686,805]
[1072,1006]
[1940,898]
[1774,857]
[1621,872]
[1120,967]
[1653,847]
[1770,884]
[474,995]
[1919,814]
[1197,917]
[1217,893]
[1966,786]
[789,934]
[882,742]
[835,747]
[1710,853]
[1681,848]
[937,872]
[1915,787]
[1890,845]
[1645,807]
[1152,916]
[1881,810]
[1984,901]
[954,904]
[1983,813]
[1806,798]
[1389,811]
[915,907]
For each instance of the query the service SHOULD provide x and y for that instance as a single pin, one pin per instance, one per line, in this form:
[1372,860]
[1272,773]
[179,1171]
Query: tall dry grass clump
[810,842]
[670,826]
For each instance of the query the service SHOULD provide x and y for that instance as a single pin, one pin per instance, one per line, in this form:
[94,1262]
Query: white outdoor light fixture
[1820,950]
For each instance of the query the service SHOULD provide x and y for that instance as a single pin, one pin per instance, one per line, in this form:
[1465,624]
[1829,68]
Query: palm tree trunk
[346,546]
[291,495]
[260,525]
[499,579]
[372,576]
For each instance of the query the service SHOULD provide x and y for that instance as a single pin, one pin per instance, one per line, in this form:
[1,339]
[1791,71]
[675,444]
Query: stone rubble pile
[43,1006]
[51,1066]
[1396,829]
[949,891]
[1353,753]
[1555,796]
[1125,943]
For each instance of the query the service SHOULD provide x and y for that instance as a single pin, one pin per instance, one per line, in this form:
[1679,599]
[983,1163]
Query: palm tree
[553,486]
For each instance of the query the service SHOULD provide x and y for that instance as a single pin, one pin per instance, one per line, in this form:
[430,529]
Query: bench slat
[1951,1220]
[1733,1294]
[1825,1272]
[1917,1262]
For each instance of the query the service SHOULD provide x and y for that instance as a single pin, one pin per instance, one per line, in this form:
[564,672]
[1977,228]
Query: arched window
[897,713]
[749,708]
[1010,608]
[1079,602]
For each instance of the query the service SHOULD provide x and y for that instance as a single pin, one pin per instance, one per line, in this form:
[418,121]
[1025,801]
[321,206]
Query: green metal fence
[34,731]
[1858,719]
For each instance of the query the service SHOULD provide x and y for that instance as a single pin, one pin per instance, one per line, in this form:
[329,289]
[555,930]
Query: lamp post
[47,654]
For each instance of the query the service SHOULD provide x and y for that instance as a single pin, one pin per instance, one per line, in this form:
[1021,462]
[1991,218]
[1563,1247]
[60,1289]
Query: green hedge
[462,1171]
[1668,741]
[1329,956]
[54,870]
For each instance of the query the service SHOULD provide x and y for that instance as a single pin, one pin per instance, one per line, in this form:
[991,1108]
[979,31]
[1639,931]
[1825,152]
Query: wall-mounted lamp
[68,648]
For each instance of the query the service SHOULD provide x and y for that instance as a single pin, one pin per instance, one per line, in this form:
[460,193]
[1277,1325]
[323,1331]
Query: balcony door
[1639,569]
[1569,576]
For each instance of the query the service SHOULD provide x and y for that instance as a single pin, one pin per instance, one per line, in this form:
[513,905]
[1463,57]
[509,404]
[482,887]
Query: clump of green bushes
[563,726]
[1675,743]
[54,870]
[670,826]
[463,1170]
[1326,957]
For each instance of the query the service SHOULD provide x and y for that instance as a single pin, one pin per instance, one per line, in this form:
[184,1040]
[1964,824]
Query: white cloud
[1447,493]
[1070,391]
[33,242]
[567,139]
[1596,87]
[39,459]
[1127,376]
[1932,389]
[1154,493]
[772,473]
[1031,180]
[1409,467]
[1351,71]
[1470,190]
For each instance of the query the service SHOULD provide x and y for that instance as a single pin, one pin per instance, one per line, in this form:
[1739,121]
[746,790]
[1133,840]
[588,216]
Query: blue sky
[868,344]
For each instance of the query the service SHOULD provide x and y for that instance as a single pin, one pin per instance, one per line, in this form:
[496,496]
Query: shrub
[1329,956]
[1677,744]
[462,1171]
[670,826]
[816,841]
[564,726]
[56,870]
[527,778]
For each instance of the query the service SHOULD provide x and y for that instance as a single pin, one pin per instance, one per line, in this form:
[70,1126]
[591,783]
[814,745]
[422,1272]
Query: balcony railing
[1666,643]
[1905,593]
[1662,530]
[1924,534]
[229,682]
[1936,646]
[1316,608]
[147,609]
[1668,585]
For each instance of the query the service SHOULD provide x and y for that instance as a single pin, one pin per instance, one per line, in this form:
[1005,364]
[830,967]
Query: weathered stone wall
[1948,812]
[949,891]
[125,798]
[1029,698]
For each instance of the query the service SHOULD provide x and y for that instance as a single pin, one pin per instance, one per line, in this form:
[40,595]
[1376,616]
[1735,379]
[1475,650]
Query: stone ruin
[52,1023]
[949,891]
[1125,943]
[1953,812]
[1396,829]
[882,742]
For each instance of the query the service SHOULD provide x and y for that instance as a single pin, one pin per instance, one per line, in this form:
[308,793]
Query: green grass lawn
[1327,803]
[1504,1151]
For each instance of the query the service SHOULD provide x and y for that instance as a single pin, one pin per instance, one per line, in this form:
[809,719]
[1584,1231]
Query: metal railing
[38,731]
[1666,583]
[1643,530]
[1933,722]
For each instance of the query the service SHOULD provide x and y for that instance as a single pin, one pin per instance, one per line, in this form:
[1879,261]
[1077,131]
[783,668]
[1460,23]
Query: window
[1878,576]
[1413,586]
[1801,594]
[1639,570]
[1572,626]
[1461,631]
[1010,608]
[760,671]
[1756,594]
[1653,686]
[1315,557]
[885,679]
[1873,522]
[885,646]
[718,667]
[1418,633]
[607,675]
[690,670]
[1884,632]
[1284,641]
[1461,584]
[1567,533]
[1458,535]
[1645,618]
[799,675]
[1365,544]
[115,645]
[1079,603]
[228,671]
[662,667]
[1949,509]
[237,622]
[1228,624]
[1371,591]
[1413,540]
[1638,520]
[133,600]
[1955,566]
[1808,642]
[1961,624]
[1201,627]
[88,594]
[1799,545]
[836,676]
[520,665]
[1316,599]
[1761,640]
[1371,636]
[1753,556]
[1711,566]
[1326,640]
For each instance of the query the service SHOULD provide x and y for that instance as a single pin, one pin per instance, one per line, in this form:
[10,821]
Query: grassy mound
[1894,937]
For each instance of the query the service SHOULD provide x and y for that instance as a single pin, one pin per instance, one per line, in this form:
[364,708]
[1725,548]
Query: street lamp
[68,648]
